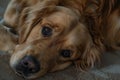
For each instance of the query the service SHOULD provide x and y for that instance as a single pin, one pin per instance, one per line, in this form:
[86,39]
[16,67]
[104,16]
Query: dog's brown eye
[65,53]
[46,31]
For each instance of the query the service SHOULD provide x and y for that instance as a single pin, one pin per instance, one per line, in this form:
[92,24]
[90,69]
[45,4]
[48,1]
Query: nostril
[32,70]
[25,64]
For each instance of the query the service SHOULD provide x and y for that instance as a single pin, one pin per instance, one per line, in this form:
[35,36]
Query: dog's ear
[90,54]
[88,49]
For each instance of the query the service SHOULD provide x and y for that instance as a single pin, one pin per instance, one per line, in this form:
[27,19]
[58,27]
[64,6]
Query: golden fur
[85,27]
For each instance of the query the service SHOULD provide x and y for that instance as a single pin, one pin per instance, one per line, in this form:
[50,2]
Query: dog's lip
[18,73]
[27,76]
[22,74]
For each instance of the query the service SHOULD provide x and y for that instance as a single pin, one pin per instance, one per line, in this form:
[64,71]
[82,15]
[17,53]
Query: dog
[53,34]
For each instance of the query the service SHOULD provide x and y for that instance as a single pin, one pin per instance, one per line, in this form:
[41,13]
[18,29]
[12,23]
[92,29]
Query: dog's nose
[28,65]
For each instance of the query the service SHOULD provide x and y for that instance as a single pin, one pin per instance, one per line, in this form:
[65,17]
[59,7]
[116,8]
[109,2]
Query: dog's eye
[46,31]
[65,53]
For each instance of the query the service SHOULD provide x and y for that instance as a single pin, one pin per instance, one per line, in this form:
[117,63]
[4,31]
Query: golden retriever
[53,34]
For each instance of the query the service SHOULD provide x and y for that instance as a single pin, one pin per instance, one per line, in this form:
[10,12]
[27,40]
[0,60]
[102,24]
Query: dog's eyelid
[51,25]
[47,25]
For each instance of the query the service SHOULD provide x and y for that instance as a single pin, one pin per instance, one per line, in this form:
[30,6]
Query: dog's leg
[7,40]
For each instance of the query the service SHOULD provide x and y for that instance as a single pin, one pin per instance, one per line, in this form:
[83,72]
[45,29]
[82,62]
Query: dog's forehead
[62,16]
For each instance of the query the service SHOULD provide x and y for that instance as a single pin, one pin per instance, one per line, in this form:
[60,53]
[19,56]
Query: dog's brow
[36,22]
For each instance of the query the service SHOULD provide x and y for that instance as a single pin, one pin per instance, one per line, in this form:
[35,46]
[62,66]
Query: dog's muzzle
[27,66]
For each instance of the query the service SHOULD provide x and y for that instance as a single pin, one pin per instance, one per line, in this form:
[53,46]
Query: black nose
[28,65]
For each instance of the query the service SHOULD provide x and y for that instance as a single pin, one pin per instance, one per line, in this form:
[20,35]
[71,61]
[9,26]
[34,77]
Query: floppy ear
[90,54]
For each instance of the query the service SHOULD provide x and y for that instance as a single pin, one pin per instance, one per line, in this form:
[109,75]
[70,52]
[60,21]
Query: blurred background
[3,5]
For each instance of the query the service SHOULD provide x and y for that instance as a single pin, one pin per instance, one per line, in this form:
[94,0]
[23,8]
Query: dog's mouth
[26,76]
[20,74]
[31,76]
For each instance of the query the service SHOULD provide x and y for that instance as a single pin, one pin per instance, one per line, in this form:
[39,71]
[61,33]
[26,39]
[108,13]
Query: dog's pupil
[66,53]
[46,31]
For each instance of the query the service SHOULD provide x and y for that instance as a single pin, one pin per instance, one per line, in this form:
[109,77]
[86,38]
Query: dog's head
[51,39]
